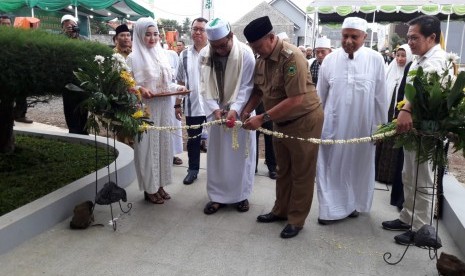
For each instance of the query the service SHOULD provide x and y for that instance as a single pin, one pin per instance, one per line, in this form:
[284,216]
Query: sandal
[212,207]
[154,198]
[177,161]
[163,193]
[243,206]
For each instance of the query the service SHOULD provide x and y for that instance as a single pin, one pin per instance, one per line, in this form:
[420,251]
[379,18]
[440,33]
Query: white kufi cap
[217,29]
[323,42]
[282,35]
[355,23]
[68,17]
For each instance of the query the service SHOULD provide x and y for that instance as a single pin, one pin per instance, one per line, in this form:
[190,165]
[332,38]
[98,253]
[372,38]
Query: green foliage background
[34,62]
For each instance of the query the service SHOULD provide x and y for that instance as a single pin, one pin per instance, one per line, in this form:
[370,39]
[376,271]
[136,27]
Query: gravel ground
[52,113]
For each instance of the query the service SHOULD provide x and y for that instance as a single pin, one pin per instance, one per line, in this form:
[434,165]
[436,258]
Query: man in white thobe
[352,89]
[226,83]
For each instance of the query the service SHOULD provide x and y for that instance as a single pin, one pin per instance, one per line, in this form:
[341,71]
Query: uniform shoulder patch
[292,69]
[286,52]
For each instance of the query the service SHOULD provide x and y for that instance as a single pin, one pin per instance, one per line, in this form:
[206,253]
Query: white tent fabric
[346,7]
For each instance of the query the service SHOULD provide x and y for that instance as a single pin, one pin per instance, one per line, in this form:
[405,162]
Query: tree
[33,63]
[169,25]
[186,26]
[396,40]
[98,27]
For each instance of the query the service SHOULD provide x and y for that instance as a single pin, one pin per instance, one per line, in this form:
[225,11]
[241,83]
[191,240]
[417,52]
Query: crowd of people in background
[268,82]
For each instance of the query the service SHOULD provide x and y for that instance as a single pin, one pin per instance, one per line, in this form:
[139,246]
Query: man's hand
[218,114]
[245,116]
[254,122]
[178,113]
[404,122]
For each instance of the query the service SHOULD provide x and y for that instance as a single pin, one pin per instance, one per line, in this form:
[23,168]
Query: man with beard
[352,88]
[226,82]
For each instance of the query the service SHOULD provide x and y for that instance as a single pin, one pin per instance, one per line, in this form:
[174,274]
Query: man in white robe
[352,89]
[226,83]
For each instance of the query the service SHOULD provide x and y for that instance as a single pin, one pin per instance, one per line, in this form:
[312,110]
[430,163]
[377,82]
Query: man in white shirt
[423,38]
[189,75]
[352,89]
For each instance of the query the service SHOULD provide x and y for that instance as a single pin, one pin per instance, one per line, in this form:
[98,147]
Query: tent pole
[371,39]
[315,20]
[32,12]
[447,32]
[306,27]
[461,44]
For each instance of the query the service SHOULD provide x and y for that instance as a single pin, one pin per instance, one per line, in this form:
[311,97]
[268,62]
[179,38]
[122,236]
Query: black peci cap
[257,29]
[121,29]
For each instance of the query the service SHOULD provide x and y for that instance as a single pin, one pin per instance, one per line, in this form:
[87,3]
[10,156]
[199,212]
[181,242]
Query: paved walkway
[176,238]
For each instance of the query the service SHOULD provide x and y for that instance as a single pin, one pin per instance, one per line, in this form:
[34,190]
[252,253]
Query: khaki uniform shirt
[124,53]
[285,74]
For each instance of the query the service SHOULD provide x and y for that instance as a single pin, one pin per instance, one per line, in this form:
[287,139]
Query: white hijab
[150,66]
[394,74]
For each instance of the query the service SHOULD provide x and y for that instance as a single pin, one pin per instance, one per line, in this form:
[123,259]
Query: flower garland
[280,135]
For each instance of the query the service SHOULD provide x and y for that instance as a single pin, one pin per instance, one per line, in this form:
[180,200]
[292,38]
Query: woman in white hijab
[153,155]
[394,75]
[388,159]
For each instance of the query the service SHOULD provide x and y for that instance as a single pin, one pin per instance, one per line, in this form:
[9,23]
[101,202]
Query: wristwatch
[266,117]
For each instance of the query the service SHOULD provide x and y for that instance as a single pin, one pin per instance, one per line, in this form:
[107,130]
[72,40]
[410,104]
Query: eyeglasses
[201,30]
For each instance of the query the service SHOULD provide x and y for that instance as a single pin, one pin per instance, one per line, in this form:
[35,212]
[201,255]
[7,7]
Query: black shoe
[203,146]
[290,231]
[354,214]
[273,175]
[190,178]
[327,221]
[25,120]
[406,238]
[395,225]
[270,217]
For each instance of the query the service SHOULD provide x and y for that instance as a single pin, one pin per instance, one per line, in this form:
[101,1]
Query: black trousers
[193,144]
[75,114]
[269,152]
[20,108]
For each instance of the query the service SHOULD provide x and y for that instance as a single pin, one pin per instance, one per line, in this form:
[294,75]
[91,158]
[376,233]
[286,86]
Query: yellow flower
[138,114]
[144,127]
[400,104]
[128,79]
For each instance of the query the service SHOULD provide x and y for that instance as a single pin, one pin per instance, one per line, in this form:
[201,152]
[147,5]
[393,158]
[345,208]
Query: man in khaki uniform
[122,40]
[285,86]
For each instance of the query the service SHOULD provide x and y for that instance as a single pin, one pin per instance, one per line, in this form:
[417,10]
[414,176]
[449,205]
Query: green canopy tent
[50,11]
[99,9]
[325,11]
[385,11]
